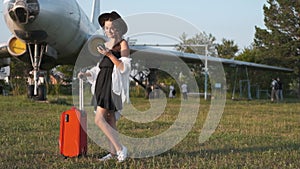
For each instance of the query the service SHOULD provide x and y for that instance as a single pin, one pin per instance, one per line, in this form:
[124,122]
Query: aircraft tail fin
[95,13]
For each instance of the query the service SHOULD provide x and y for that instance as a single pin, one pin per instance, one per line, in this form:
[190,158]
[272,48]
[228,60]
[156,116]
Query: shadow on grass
[225,151]
[60,101]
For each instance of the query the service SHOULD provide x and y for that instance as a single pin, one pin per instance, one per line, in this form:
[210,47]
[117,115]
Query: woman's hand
[82,75]
[102,50]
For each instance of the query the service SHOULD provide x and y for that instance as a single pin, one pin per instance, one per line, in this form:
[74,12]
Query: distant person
[148,91]
[274,90]
[30,82]
[156,91]
[172,91]
[280,93]
[184,90]
[1,90]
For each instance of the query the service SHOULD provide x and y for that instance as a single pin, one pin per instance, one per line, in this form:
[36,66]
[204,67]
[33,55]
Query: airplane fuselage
[61,25]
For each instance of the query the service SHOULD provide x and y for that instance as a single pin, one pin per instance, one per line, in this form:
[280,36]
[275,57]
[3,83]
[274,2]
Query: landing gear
[30,89]
[36,81]
[41,89]
[41,92]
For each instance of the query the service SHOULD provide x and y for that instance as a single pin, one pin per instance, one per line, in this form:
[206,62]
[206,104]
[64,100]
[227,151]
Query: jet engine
[16,47]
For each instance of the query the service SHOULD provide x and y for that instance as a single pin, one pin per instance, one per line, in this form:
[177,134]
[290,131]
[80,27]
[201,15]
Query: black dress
[103,90]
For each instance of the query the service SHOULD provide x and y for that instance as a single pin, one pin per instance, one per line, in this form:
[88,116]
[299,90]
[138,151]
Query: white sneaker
[122,155]
[107,157]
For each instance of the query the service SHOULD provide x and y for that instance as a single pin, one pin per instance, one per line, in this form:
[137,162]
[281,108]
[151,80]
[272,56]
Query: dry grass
[251,134]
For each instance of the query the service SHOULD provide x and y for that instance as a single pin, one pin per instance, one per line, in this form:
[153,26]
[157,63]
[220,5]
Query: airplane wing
[3,51]
[152,54]
[4,55]
[157,57]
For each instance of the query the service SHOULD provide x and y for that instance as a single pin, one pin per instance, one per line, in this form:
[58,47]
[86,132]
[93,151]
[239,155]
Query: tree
[18,76]
[248,55]
[227,49]
[198,44]
[67,71]
[279,43]
[202,44]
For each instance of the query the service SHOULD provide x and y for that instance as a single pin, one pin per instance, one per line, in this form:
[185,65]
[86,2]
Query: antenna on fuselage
[95,13]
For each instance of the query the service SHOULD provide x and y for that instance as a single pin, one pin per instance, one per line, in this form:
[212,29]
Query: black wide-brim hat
[116,19]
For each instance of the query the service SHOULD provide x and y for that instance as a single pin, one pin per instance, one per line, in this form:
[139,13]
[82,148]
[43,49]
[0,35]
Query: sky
[230,19]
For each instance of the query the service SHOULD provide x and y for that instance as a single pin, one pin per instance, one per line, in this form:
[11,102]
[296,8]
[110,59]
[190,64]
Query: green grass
[251,134]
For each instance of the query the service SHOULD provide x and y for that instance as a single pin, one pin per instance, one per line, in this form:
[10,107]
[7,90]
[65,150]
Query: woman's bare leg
[111,120]
[111,134]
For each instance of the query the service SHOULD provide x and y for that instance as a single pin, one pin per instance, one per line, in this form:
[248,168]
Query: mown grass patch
[251,134]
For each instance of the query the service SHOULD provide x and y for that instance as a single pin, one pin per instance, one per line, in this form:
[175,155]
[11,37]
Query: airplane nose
[23,11]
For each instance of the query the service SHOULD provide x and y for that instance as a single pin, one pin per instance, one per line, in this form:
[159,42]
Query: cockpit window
[31,1]
[28,1]
[23,11]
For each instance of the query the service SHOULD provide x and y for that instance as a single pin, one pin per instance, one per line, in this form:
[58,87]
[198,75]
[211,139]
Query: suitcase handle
[81,101]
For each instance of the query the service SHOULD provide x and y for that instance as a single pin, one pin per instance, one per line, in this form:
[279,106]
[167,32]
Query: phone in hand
[101,46]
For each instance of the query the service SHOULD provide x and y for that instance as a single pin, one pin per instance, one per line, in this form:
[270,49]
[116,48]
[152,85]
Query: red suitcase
[73,125]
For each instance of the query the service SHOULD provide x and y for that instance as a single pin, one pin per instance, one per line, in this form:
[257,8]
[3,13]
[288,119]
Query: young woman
[112,81]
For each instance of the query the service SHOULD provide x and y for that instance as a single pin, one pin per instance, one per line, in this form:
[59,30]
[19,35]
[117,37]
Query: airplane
[51,33]
[46,33]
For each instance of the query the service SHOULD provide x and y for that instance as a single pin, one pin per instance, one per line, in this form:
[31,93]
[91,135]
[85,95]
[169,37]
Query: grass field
[251,134]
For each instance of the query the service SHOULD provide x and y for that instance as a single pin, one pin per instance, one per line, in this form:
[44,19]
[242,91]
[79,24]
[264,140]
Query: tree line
[278,44]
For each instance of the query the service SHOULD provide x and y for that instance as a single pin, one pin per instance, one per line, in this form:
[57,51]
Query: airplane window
[33,8]
[12,15]
[31,1]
